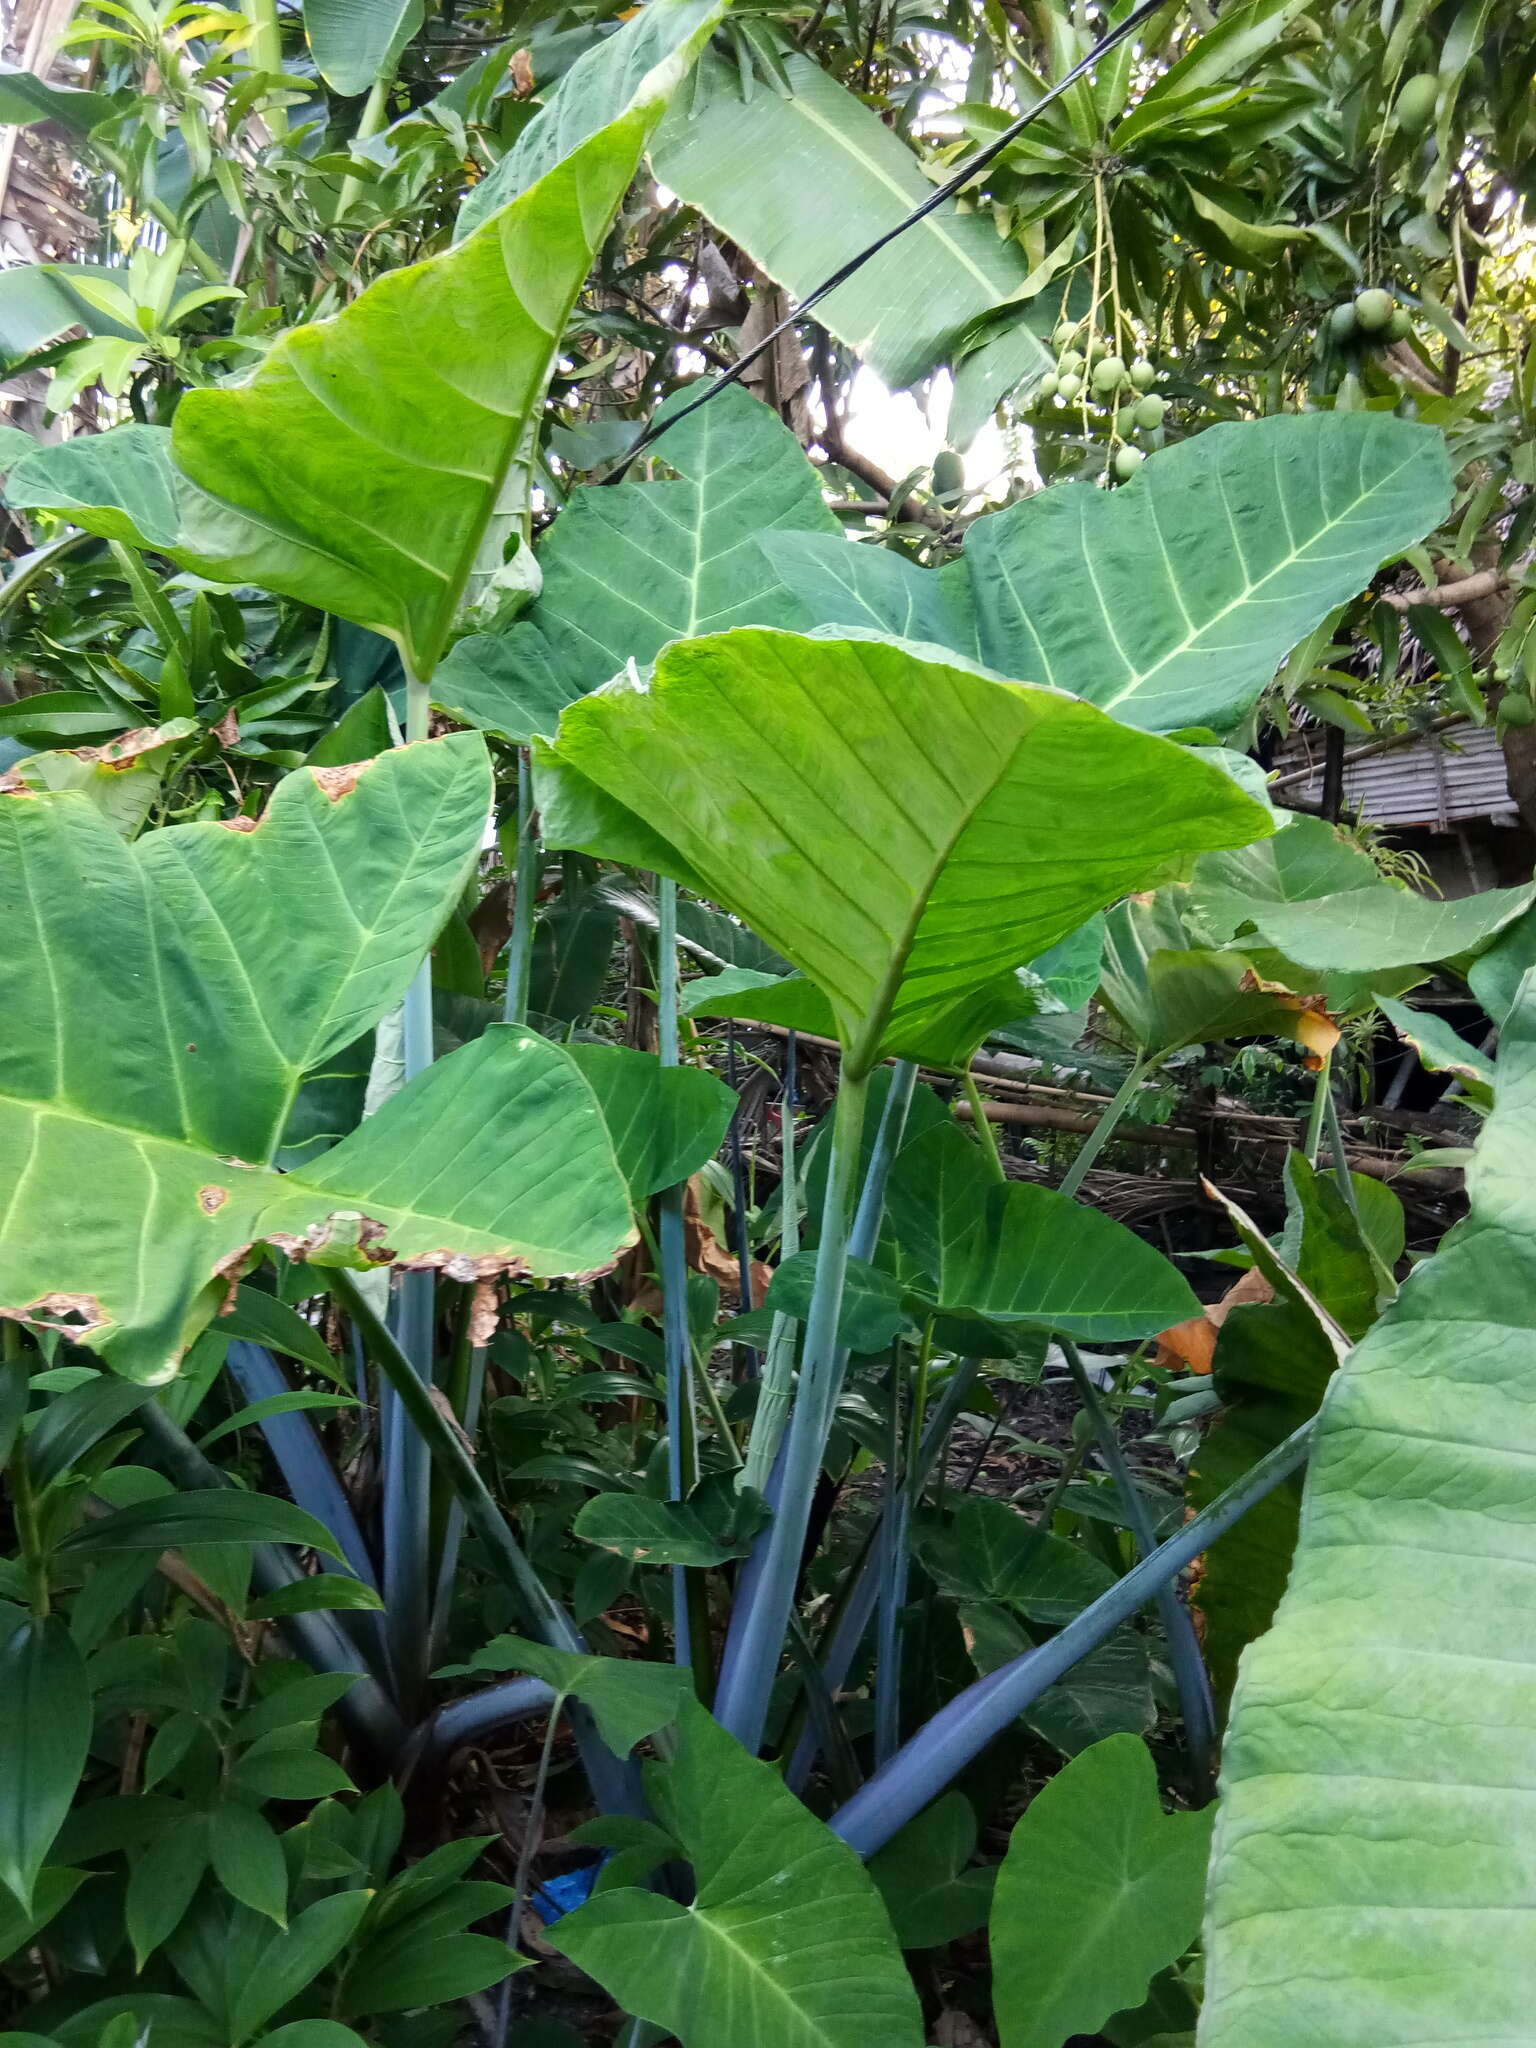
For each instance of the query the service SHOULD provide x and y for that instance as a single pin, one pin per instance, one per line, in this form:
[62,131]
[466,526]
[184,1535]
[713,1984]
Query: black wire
[937,198]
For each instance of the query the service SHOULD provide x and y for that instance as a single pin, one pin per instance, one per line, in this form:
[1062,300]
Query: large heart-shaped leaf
[370,464]
[1018,1253]
[356,42]
[1323,901]
[1371,1879]
[1172,600]
[645,58]
[991,1550]
[629,1700]
[786,1944]
[164,1002]
[805,181]
[903,830]
[629,567]
[1168,992]
[1100,1890]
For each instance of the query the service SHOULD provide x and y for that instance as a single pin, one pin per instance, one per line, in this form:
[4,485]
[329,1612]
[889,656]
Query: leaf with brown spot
[130,1206]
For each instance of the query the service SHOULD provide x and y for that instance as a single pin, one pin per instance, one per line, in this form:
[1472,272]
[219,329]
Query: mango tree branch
[1446,596]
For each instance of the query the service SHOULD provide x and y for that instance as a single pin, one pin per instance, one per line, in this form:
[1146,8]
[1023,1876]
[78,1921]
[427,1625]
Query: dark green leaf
[220,1515]
[45,1702]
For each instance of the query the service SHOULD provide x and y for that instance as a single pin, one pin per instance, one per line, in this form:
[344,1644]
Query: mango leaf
[786,1944]
[1100,1890]
[142,1074]
[356,42]
[664,1122]
[645,59]
[761,168]
[903,863]
[922,1875]
[370,465]
[1019,1253]
[1170,601]
[629,567]
[628,1700]
[47,1703]
[1388,1826]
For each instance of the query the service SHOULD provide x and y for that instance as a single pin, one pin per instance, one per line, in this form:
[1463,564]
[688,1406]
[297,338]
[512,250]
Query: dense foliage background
[338,1612]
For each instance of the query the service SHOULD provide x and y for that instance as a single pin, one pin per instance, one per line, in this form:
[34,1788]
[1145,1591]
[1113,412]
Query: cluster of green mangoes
[1088,367]
[1373,317]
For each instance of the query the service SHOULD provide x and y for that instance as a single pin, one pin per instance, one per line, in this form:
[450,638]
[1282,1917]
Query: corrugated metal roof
[1434,782]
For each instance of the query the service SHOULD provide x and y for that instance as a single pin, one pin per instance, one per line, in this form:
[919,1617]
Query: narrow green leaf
[294,1957]
[45,1695]
[275,1404]
[324,1590]
[248,1859]
[431,1970]
[163,1880]
[220,1515]
[263,1319]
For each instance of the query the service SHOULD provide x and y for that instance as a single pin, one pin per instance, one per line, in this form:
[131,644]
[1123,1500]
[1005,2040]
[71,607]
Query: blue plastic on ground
[561,1895]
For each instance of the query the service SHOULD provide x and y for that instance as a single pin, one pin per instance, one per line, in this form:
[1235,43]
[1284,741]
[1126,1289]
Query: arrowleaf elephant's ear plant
[903,786]
[927,828]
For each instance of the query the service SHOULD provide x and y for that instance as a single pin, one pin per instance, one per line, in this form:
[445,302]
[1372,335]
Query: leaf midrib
[1139,680]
